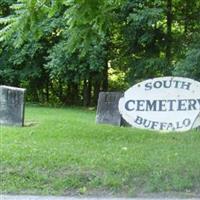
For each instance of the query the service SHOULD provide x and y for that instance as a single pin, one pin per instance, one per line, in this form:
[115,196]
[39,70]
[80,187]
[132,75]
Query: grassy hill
[62,151]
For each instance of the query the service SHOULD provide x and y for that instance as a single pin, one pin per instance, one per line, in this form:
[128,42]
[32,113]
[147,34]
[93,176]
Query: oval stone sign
[164,104]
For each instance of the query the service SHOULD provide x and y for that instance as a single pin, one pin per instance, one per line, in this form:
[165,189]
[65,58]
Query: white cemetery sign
[164,104]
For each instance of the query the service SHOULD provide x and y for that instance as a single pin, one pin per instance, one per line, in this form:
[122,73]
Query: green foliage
[89,20]
[57,48]
[73,66]
[143,40]
[190,65]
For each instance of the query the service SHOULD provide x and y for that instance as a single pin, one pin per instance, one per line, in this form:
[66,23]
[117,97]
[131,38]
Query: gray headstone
[11,106]
[107,109]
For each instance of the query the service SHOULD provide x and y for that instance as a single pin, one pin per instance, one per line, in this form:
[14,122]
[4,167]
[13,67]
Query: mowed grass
[62,151]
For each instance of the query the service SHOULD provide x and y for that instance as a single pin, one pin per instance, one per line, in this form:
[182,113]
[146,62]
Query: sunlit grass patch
[63,151]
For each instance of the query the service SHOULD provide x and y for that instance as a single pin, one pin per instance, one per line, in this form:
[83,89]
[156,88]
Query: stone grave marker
[107,109]
[11,106]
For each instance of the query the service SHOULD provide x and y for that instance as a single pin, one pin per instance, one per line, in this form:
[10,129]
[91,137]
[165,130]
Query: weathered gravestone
[107,110]
[11,106]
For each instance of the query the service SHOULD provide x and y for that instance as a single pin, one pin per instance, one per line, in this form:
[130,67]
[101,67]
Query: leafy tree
[60,48]
[190,65]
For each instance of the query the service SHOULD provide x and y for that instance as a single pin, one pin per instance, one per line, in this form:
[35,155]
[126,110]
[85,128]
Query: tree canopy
[66,51]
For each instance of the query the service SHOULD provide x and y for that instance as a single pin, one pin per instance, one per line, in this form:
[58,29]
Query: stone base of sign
[107,109]
[196,123]
[11,106]
[197,129]
[124,123]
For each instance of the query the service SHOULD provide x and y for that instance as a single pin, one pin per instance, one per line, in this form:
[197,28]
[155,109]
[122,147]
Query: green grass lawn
[62,151]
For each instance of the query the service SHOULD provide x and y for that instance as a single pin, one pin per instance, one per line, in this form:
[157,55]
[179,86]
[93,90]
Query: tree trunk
[87,92]
[186,16]
[60,90]
[169,31]
[105,79]
[74,93]
[47,90]
[97,86]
